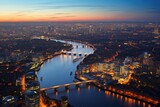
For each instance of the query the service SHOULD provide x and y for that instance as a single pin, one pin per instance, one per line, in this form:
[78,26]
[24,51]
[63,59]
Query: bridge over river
[57,71]
[68,85]
[76,53]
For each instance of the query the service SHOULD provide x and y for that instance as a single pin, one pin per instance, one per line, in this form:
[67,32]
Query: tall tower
[32,99]
[49,28]
[156,31]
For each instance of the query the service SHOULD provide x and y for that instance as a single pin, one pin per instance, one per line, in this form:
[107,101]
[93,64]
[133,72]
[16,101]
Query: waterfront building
[156,31]
[32,98]
[30,77]
[18,82]
[147,60]
[117,70]
[64,101]
[33,86]
[136,64]
[101,66]
[158,71]
[9,101]
[83,68]
[1,60]
[124,70]
[127,60]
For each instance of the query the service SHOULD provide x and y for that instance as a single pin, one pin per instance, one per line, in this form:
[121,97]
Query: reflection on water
[89,87]
[90,96]
[57,71]
[78,89]
[67,91]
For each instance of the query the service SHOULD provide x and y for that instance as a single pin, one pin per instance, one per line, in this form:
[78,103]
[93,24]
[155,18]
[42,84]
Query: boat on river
[41,78]
[77,59]
[71,73]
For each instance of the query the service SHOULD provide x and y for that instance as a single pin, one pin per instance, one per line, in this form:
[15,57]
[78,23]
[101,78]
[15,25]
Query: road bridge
[68,85]
[75,53]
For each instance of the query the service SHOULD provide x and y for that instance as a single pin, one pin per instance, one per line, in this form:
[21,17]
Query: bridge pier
[88,83]
[69,53]
[74,53]
[55,89]
[78,85]
[80,54]
[66,87]
[85,54]
[44,93]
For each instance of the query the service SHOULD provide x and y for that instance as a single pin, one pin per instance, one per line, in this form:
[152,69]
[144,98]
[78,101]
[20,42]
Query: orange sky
[82,10]
[62,17]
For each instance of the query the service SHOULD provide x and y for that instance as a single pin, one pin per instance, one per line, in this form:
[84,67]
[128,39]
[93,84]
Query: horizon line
[140,21]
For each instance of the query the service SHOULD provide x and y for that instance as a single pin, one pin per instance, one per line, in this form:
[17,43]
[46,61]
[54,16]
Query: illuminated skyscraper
[33,86]
[32,99]
[64,101]
[30,77]
[156,31]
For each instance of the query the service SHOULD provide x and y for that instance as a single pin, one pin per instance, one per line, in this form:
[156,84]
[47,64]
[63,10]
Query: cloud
[69,16]
[62,17]
[21,13]
[62,13]
[54,17]
[71,6]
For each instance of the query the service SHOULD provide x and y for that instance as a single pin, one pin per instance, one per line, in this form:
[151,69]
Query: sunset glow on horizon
[82,10]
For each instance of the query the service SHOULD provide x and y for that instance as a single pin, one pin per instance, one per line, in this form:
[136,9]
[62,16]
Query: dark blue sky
[85,10]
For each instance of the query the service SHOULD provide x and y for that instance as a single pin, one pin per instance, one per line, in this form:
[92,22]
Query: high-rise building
[146,59]
[64,101]
[127,60]
[9,101]
[124,70]
[30,77]
[156,31]
[50,28]
[33,86]
[117,70]
[32,98]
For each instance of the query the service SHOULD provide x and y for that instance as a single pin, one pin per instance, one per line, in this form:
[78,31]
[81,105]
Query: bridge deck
[66,85]
[66,52]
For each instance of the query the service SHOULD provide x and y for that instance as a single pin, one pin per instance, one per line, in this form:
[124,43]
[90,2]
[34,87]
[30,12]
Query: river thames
[57,71]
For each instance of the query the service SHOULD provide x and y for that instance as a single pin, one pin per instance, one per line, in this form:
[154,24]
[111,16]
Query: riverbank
[128,94]
[50,57]
[66,59]
[78,41]
[123,93]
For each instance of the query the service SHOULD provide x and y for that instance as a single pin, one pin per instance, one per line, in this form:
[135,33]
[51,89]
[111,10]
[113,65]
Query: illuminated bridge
[68,85]
[76,53]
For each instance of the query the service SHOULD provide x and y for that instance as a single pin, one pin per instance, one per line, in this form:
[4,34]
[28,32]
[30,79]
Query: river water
[57,71]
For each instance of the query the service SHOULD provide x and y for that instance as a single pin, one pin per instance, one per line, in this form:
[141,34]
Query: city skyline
[84,10]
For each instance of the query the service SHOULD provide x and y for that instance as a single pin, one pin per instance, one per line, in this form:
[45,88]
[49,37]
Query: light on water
[57,71]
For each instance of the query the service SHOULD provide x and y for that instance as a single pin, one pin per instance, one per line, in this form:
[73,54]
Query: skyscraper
[32,98]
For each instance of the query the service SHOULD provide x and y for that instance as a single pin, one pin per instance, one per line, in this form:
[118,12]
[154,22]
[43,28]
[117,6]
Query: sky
[79,10]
